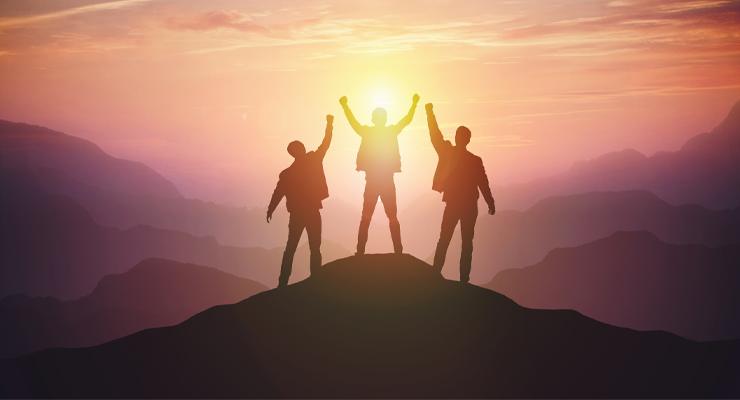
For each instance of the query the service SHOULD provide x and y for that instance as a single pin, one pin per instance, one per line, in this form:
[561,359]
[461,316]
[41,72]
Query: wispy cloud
[221,19]
[319,56]
[503,141]
[28,20]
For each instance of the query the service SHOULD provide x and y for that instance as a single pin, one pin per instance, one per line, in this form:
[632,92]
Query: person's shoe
[464,279]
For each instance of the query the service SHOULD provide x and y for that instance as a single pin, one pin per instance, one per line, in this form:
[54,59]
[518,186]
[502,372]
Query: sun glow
[388,91]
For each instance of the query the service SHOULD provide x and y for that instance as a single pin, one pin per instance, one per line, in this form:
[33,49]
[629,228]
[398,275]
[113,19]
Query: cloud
[683,21]
[503,141]
[319,56]
[232,20]
[28,20]
[222,19]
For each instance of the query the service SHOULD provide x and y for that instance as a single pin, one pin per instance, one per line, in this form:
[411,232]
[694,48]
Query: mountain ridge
[49,245]
[635,280]
[703,171]
[25,145]
[514,239]
[153,293]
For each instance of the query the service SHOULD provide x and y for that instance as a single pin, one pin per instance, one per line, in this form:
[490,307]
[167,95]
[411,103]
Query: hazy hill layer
[513,239]
[154,293]
[634,280]
[382,326]
[31,146]
[49,246]
[235,226]
[705,171]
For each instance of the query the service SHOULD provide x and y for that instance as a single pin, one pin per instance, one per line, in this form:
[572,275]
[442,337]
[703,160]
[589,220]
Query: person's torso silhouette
[303,184]
[380,158]
[379,152]
[460,177]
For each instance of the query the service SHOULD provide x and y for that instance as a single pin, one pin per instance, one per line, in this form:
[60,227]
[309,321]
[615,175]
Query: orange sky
[209,93]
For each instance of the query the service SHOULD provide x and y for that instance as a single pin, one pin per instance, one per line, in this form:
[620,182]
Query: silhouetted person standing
[459,176]
[303,185]
[380,158]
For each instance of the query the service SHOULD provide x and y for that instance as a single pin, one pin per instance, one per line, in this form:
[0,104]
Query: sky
[209,93]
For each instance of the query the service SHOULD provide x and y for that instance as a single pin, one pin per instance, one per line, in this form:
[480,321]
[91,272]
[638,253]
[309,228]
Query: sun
[381,97]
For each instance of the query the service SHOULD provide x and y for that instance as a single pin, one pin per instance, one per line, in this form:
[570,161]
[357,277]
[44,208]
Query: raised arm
[434,133]
[485,189]
[321,151]
[410,116]
[359,129]
[277,196]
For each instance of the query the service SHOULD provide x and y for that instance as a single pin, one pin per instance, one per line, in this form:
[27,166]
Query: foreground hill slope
[154,293]
[381,326]
[634,280]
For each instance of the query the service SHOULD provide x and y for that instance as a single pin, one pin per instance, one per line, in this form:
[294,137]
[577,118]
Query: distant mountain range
[123,194]
[235,226]
[31,146]
[513,239]
[705,171]
[50,246]
[382,326]
[634,280]
[154,293]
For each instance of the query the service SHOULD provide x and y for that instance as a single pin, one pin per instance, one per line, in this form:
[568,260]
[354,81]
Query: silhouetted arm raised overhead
[435,134]
[410,116]
[359,129]
[321,151]
[277,196]
[485,189]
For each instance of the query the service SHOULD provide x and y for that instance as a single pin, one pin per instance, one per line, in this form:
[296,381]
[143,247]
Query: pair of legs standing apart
[466,214]
[379,185]
[310,220]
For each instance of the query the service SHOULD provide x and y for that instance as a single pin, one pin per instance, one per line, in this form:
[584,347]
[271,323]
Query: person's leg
[313,230]
[449,221]
[370,199]
[295,230]
[467,231]
[388,197]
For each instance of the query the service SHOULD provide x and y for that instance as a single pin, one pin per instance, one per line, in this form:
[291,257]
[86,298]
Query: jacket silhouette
[380,158]
[460,177]
[303,185]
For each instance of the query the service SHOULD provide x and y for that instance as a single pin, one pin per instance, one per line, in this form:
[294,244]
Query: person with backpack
[303,184]
[459,176]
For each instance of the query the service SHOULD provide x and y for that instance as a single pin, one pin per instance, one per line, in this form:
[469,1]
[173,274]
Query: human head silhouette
[379,116]
[462,136]
[296,149]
